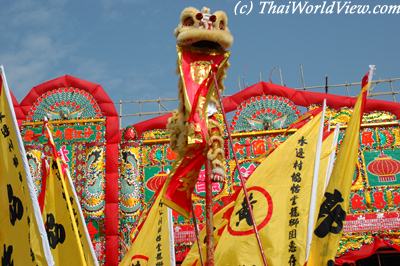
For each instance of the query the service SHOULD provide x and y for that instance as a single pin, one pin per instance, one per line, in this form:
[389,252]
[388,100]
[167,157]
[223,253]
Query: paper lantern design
[156,181]
[385,167]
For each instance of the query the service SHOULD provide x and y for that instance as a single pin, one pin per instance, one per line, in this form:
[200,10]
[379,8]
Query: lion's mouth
[204,44]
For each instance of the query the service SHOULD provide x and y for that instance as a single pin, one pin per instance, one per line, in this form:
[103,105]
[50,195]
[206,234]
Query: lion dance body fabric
[196,127]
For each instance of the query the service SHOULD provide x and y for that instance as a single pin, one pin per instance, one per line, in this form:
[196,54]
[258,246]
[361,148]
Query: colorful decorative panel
[64,104]
[264,112]
[383,167]
[375,194]
[86,162]
[80,113]
[131,194]
[131,184]
[35,163]
[93,196]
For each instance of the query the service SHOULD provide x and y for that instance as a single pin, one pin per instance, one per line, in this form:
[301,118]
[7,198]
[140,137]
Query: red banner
[196,69]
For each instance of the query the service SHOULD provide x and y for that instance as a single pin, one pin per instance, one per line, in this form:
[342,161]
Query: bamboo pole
[209,217]
[242,181]
[196,231]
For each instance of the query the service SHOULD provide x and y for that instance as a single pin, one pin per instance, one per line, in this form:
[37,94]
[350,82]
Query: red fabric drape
[365,251]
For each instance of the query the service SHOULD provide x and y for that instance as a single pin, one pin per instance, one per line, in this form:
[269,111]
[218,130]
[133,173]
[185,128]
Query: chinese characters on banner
[294,191]
[67,237]
[279,192]
[152,244]
[22,233]
[332,212]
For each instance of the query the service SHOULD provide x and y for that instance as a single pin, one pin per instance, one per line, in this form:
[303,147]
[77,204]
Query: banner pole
[196,231]
[242,181]
[209,217]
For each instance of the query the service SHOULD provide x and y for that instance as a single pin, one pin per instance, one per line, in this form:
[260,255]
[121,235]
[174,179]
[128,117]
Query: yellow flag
[22,233]
[332,211]
[279,192]
[220,220]
[153,244]
[66,229]
[67,238]
[327,159]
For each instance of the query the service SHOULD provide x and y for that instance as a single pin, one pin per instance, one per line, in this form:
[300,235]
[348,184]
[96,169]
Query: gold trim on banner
[61,122]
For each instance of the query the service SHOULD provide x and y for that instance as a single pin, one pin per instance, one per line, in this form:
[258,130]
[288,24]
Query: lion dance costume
[196,129]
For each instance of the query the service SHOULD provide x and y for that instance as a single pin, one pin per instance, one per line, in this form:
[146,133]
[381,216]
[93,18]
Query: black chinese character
[54,165]
[15,161]
[300,153]
[292,260]
[292,247]
[10,145]
[159,256]
[302,141]
[158,239]
[293,199]
[55,231]
[244,212]
[296,177]
[20,176]
[5,131]
[298,164]
[295,188]
[16,208]
[293,212]
[331,212]
[159,263]
[32,254]
[6,259]
[294,222]
[292,234]
[1,117]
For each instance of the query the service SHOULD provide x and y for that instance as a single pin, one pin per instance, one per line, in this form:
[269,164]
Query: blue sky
[128,45]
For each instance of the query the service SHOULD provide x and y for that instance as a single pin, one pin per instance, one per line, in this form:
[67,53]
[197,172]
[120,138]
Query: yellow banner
[220,220]
[152,244]
[22,234]
[279,193]
[59,188]
[327,159]
[66,236]
[335,203]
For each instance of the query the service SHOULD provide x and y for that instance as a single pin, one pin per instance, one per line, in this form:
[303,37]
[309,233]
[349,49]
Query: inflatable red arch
[112,138]
[298,97]
[17,108]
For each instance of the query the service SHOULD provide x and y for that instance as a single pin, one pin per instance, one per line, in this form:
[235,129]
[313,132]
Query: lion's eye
[188,21]
[213,18]
[222,25]
[199,16]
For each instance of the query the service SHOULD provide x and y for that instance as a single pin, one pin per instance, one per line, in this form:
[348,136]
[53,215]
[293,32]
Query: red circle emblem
[262,205]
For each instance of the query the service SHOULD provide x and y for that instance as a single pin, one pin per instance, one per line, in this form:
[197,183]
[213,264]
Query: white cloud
[31,62]
[31,49]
